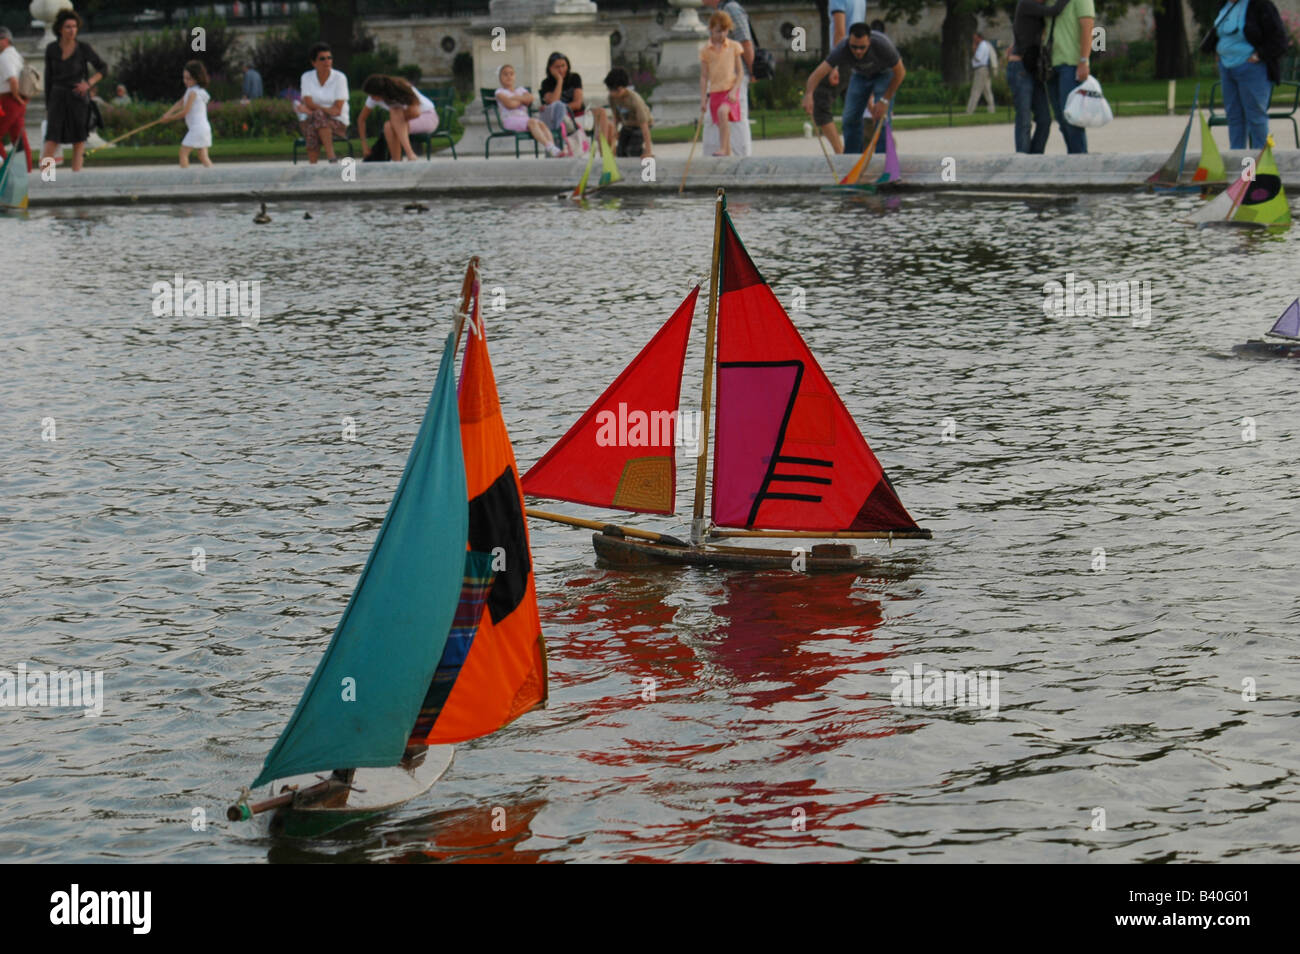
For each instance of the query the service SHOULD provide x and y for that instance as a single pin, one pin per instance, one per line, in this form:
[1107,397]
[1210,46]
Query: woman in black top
[1027,89]
[562,99]
[68,86]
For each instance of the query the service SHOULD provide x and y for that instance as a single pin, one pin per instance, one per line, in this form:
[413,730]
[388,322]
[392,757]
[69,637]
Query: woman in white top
[409,111]
[323,109]
[512,104]
[194,107]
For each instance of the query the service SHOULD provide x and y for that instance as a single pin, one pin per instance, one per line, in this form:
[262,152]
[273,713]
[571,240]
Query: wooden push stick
[126,134]
[598,525]
[243,810]
[694,139]
[919,534]
[825,152]
[860,166]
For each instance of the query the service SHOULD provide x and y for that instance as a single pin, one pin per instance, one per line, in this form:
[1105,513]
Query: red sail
[787,454]
[621,453]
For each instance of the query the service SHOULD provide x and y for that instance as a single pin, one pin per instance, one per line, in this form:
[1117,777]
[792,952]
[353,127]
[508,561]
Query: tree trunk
[824,20]
[337,20]
[1173,59]
[957,31]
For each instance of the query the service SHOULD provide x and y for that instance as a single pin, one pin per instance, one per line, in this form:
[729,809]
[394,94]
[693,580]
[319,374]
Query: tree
[1173,58]
[338,20]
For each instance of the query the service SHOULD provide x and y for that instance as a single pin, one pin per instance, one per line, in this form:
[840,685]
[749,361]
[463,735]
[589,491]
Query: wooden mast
[706,398]
[466,290]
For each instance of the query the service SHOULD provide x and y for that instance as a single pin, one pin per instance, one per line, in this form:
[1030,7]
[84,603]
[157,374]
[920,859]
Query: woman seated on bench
[512,104]
[409,111]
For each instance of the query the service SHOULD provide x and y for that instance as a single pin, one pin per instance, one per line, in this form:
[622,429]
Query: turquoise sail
[366,693]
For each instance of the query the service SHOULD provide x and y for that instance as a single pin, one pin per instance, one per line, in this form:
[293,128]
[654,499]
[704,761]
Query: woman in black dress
[68,86]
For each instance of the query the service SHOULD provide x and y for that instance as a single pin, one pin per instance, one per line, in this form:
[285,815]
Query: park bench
[301,143]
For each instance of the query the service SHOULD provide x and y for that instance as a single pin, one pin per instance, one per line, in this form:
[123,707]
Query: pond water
[1035,446]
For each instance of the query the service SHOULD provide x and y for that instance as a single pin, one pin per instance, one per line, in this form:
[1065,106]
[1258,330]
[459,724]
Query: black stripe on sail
[808,497]
[496,519]
[806,461]
[799,479]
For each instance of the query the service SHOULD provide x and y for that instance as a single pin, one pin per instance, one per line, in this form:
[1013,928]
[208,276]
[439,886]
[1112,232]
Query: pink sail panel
[892,171]
[621,453]
[787,454]
[1288,323]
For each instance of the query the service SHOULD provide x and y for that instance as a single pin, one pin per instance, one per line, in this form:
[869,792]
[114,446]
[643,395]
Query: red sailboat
[788,459]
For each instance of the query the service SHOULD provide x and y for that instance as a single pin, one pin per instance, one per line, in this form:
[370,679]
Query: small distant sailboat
[789,460]
[13,183]
[1287,328]
[441,640]
[1258,201]
[609,173]
[1210,173]
[891,175]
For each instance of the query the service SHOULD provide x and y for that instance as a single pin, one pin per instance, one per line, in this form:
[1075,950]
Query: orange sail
[621,453]
[495,670]
[787,453]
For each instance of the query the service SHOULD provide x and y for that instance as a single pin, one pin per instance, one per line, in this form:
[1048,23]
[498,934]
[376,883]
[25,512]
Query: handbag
[1086,106]
[1042,70]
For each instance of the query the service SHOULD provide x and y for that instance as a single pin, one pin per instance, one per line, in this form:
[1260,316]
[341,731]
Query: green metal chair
[444,102]
[496,130]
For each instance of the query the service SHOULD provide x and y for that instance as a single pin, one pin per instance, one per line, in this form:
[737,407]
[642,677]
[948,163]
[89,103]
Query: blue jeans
[1059,88]
[1246,93]
[1030,98]
[855,101]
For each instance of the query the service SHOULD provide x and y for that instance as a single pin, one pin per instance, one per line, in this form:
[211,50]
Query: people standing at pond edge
[1028,92]
[1070,52]
[843,13]
[1248,40]
[193,105]
[12,102]
[69,84]
[878,72]
[409,111]
[721,67]
[742,33]
[983,64]
[323,108]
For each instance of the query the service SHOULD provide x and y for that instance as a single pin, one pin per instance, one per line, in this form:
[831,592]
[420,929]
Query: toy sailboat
[13,183]
[441,640]
[609,173]
[892,173]
[1210,173]
[1257,201]
[1287,328]
[788,459]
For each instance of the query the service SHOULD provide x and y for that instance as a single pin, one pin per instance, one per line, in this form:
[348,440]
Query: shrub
[462,74]
[150,65]
[260,119]
[923,53]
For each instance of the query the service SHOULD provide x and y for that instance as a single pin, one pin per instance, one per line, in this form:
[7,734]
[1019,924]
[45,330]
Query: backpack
[29,82]
[764,66]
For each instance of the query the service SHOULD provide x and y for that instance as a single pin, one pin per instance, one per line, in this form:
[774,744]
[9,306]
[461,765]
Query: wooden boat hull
[1267,349]
[618,551]
[373,792]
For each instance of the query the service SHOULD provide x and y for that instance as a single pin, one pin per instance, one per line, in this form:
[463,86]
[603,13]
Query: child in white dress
[194,107]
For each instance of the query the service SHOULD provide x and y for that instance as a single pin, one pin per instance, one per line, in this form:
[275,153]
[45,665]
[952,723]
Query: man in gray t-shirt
[877,71]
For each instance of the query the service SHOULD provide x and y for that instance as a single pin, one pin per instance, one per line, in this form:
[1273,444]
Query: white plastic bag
[1086,106]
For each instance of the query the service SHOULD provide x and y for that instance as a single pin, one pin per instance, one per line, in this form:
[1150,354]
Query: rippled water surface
[1119,690]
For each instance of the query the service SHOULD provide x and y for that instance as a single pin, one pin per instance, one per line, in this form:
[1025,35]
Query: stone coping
[278,181]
